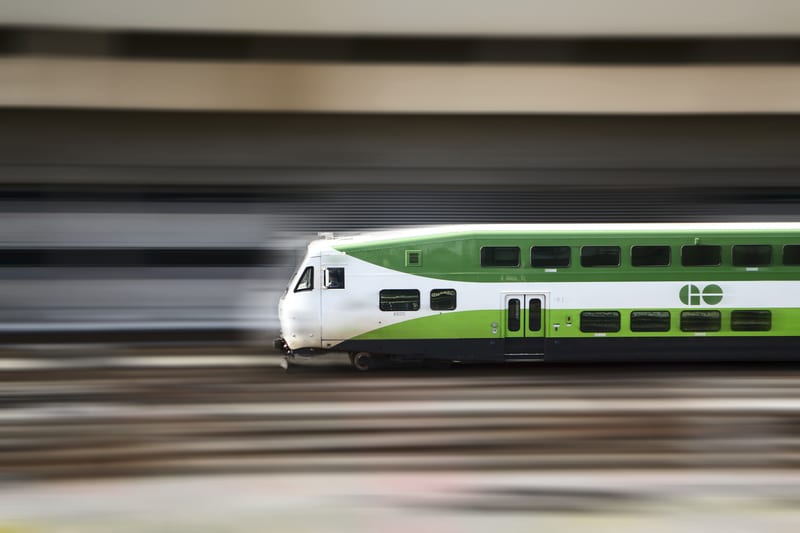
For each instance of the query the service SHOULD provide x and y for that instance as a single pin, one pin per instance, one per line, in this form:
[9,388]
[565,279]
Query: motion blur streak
[542,446]
[187,227]
[346,88]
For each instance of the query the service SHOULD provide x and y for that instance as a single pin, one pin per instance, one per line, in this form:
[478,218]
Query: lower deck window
[701,321]
[650,320]
[443,299]
[399,300]
[751,320]
[600,321]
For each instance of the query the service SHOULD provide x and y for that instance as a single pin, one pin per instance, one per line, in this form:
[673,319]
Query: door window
[535,314]
[513,314]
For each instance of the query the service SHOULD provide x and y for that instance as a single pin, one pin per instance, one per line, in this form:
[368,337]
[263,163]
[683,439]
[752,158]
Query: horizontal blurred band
[342,87]
[437,17]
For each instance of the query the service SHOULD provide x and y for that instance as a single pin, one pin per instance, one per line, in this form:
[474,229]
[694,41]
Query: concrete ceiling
[164,85]
[421,17]
[50,78]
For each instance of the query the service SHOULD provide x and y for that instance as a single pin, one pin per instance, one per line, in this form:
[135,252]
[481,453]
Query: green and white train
[550,292]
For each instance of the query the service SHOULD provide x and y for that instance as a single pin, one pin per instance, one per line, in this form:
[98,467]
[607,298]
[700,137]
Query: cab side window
[306,281]
[334,278]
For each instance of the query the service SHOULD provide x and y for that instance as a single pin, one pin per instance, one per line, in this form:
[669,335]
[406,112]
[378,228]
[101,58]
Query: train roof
[466,230]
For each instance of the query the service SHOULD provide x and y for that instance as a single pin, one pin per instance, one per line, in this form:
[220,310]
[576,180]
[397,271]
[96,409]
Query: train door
[339,309]
[524,325]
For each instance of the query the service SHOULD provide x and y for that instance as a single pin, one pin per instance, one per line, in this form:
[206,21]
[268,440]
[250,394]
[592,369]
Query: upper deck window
[500,256]
[600,256]
[752,255]
[645,256]
[306,281]
[550,256]
[701,255]
[791,254]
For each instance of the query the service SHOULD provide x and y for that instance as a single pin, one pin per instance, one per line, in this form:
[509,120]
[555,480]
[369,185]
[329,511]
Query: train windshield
[306,281]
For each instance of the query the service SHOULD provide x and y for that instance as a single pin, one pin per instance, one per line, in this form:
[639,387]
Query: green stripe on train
[456,257]
[479,325]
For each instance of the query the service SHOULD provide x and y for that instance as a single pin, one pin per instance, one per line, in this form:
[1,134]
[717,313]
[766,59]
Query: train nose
[281,346]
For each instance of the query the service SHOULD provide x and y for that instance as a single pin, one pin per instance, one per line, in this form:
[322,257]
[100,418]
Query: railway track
[134,414]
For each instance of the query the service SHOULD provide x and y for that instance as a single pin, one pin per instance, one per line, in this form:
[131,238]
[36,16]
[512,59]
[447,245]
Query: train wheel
[362,361]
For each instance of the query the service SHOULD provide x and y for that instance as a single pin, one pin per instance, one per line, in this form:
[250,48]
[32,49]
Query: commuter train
[500,293]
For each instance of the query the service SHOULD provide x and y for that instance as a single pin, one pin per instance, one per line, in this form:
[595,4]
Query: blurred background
[164,163]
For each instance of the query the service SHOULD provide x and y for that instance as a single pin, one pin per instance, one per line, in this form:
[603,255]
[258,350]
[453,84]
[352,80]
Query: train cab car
[504,293]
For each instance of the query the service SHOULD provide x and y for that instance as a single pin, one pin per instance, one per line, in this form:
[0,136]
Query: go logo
[691,295]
